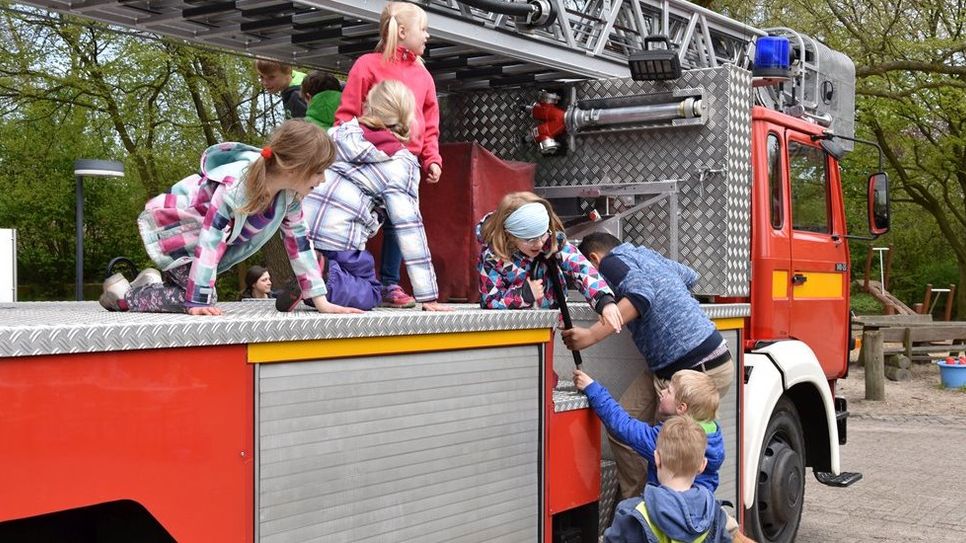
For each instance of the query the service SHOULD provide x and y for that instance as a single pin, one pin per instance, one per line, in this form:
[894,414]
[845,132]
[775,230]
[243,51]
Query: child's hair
[297,146]
[390,105]
[698,391]
[681,444]
[319,81]
[266,67]
[598,242]
[251,276]
[394,15]
[496,236]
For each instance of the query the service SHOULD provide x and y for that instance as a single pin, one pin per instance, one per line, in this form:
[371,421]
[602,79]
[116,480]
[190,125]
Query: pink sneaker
[394,296]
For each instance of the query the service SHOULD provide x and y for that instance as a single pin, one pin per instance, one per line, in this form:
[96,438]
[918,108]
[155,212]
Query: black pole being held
[553,275]
[79,228]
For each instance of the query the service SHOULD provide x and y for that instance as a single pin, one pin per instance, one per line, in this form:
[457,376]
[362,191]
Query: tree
[70,88]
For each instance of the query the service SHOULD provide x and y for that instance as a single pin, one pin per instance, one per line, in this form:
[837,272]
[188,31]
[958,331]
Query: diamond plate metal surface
[39,328]
[713,311]
[714,215]
[609,492]
[566,397]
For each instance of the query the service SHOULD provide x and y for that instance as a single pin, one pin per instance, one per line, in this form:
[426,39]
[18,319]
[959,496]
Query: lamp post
[89,168]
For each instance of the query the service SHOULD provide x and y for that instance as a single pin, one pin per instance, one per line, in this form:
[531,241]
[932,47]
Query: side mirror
[878,203]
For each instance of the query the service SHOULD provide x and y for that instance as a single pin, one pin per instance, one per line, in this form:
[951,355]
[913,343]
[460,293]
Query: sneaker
[394,296]
[288,297]
[148,276]
[115,287]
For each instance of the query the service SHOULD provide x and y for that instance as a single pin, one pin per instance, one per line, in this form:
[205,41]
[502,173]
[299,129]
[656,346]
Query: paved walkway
[913,489]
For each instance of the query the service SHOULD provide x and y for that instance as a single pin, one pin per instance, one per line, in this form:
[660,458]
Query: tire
[777,511]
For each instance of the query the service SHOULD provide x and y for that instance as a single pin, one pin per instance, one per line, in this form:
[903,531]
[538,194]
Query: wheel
[777,511]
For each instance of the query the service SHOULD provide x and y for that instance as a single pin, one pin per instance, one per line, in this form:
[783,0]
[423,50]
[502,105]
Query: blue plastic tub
[952,375]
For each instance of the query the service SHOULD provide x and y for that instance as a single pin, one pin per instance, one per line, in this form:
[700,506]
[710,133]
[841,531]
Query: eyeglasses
[538,241]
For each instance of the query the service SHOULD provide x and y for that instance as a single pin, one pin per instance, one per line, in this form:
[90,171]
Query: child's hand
[577,338]
[435,306]
[582,380]
[324,306]
[536,287]
[433,173]
[611,316]
[208,310]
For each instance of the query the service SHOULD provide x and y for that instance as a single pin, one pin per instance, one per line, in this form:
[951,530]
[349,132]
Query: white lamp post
[89,168]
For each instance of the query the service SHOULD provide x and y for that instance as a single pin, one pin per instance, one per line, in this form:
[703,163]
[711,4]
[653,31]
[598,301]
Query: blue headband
[528,221]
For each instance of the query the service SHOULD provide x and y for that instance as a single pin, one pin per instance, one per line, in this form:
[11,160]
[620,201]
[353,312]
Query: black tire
[775,515]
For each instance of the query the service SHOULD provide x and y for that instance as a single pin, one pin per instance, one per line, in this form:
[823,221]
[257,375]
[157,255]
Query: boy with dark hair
[322,92]
[281,79]
[676,509]
[669,329]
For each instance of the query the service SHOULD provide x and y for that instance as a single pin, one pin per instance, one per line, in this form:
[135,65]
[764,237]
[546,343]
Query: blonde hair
[394,15]
[496,236]
[698,391]
[681,444]
[299,147]
[390,105]
[267,67]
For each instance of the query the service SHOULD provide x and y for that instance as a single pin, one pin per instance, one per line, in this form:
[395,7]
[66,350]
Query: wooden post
[888,269]
[907,342]
[926,299]
[874,365]
[948,314]
[868,268]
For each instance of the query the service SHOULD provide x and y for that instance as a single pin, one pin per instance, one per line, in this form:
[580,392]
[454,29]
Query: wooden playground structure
[892,305]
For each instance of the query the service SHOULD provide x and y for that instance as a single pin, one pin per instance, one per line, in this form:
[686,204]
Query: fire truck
[713,142]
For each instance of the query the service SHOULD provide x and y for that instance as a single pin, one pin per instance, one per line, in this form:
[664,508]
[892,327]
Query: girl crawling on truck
[210,221]
[521,241]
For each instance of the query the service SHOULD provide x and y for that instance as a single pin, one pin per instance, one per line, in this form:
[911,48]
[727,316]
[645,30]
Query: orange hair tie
[266,152]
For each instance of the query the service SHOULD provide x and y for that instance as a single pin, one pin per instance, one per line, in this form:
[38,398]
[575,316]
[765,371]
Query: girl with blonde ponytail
[373,178]
[398,56]
[208,222]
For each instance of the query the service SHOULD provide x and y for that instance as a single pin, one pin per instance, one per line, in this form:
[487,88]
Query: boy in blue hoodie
[675,509]
[689,393]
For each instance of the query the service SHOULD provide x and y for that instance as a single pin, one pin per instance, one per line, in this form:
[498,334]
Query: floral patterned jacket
[503,283]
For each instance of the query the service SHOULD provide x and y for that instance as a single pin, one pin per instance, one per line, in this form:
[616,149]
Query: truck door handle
[799,279]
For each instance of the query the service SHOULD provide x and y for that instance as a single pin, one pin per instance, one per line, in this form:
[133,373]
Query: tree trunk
[874,365]
[276,260]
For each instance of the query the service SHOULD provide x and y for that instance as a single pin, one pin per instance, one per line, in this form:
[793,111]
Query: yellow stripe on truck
[316,349]
[819,285]
[779,284]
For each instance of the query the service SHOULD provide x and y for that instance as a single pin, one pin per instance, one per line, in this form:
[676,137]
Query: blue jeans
[391,257]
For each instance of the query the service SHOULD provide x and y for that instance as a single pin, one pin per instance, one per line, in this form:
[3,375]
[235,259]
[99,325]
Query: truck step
[844,479]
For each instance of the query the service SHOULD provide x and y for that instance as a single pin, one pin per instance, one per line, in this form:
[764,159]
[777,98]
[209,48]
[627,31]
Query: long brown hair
[394,15]
[390,105]
[298,147]
[496,236]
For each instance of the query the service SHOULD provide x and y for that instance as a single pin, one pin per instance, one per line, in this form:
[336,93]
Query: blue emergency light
[772,58]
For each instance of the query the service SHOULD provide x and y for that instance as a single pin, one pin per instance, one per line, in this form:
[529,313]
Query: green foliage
[73,89]
[864,304]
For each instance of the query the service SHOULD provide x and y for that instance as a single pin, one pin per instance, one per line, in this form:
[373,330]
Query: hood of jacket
[682,516]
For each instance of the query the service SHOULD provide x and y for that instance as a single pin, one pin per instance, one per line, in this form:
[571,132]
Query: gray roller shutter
[422,447]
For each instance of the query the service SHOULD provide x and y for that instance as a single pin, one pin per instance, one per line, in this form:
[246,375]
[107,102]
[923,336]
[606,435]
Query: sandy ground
[921,395]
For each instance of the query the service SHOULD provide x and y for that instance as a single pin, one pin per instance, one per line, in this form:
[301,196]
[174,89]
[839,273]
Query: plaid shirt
[198,222]
[343,213]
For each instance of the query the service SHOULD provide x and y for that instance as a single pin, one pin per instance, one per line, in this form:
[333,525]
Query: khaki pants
[640,400]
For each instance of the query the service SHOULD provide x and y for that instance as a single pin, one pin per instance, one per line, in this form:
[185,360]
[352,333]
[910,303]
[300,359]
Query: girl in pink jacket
[403,34]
